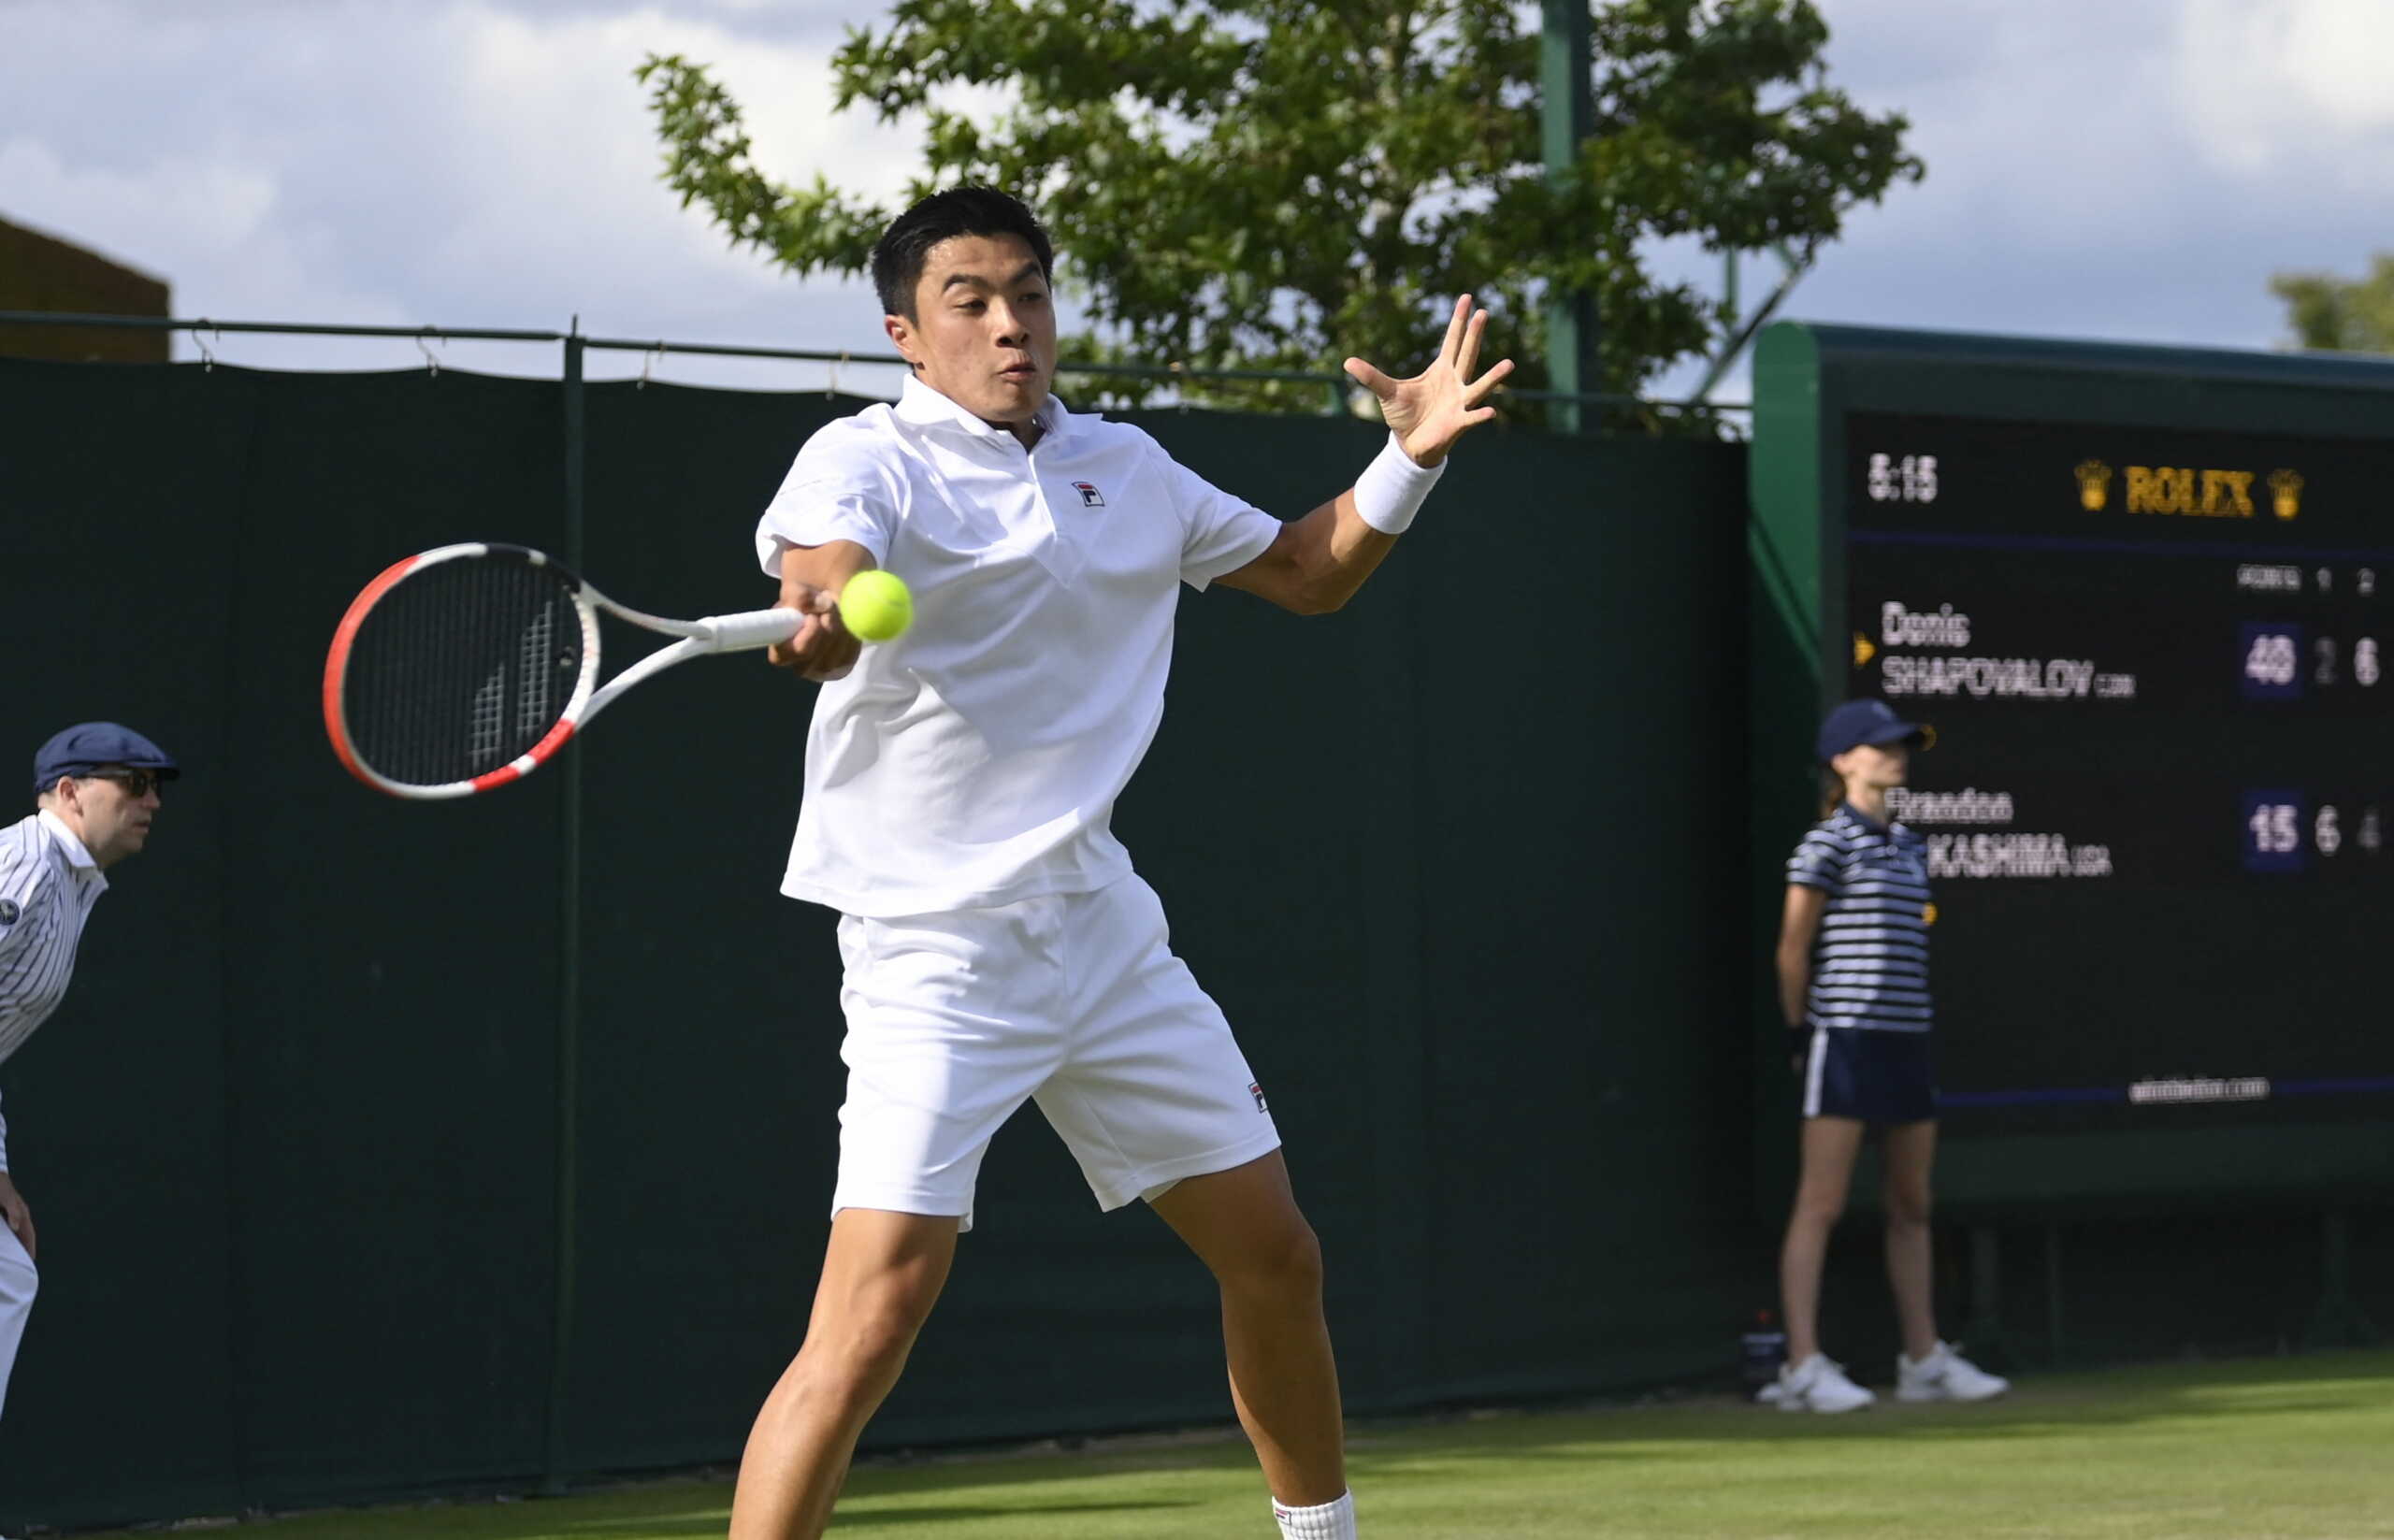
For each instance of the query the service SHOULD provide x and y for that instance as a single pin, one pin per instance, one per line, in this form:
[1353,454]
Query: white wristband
[1390,491]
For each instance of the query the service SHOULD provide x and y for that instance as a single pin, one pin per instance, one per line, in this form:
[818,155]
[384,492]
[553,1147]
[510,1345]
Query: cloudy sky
[2129,169]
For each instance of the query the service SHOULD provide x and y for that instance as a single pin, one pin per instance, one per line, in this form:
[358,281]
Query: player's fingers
[1369,377]
[1451,349]
[1480,389]
[807,599]
[833,652]
[804,651]
[834,665]
[1469,359]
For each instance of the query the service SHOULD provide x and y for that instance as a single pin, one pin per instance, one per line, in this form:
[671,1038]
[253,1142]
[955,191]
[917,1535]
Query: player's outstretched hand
[1438,406]
[823,649]
[16,1213]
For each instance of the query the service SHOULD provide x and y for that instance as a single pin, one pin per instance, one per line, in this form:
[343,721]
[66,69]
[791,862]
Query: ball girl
[1852,965]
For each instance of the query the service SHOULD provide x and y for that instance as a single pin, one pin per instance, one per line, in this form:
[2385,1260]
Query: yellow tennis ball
[875,606]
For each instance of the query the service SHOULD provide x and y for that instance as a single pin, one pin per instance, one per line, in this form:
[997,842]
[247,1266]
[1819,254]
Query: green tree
[1273,184]
[2351,315]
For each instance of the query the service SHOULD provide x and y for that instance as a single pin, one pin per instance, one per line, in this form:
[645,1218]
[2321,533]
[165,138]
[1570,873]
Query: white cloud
[464,164]
[2133,169]
[2269,86]
[217,217]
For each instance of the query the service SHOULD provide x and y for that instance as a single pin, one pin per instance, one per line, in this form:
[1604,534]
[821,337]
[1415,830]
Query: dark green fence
[1459,862]
[1468,864]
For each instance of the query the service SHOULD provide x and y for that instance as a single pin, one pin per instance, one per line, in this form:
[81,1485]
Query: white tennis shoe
[1819,1385]
[1944,1374]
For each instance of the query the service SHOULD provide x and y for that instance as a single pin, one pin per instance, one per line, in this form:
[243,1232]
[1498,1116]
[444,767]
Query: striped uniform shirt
[1871,963]
[48,885]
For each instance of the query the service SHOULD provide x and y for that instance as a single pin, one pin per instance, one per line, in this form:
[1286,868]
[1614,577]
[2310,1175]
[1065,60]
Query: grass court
[2292,1448]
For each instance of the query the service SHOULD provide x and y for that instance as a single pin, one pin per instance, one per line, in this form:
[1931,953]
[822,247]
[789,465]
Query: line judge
[95,788]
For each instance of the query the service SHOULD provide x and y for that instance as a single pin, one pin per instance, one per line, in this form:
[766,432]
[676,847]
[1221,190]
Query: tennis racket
[466,667]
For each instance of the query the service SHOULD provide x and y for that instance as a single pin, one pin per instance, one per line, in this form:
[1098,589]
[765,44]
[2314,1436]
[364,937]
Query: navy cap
[1858,722]
[87,745]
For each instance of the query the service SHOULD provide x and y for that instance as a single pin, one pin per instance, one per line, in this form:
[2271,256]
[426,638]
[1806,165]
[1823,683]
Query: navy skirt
[1875,1076]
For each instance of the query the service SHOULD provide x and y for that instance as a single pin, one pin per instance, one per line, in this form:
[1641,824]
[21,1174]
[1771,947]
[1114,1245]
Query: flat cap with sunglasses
[90,746]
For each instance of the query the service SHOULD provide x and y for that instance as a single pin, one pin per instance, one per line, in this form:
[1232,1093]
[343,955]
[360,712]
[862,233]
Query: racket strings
[461,668]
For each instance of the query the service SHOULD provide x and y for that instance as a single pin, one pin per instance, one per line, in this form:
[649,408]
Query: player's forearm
[1794,984]
[1338,550]
[1358,526]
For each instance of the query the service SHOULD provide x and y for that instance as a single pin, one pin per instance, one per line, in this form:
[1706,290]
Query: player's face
[116,806]
[984,333]
[1876,766]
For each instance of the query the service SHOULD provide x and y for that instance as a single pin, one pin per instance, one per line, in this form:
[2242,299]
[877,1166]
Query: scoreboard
[2145,600]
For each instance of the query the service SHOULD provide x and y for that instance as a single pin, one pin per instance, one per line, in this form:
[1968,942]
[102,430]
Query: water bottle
[1763,1349]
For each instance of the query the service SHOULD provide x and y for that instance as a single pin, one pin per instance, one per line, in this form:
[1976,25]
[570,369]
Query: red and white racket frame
[745,631]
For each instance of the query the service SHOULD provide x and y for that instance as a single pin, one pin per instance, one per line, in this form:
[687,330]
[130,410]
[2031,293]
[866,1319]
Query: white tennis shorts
[1074,999]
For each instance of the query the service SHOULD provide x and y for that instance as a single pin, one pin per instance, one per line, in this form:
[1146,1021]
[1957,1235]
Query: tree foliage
[1273,184]
[2351,315]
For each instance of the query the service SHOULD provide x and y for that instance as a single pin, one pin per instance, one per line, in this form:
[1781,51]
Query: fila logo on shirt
[1255,1089]
[8,910]
[1091,495]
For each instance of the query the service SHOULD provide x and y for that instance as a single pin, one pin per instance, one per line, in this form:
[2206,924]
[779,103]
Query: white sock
[1330,1521]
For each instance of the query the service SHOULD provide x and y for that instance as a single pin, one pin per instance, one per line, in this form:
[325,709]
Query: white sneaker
[1818,1385]
[1945,1375]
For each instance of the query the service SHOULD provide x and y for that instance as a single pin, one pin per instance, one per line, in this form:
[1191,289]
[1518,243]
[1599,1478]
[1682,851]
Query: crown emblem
[1862,650]
[2093,485]
[2286,493]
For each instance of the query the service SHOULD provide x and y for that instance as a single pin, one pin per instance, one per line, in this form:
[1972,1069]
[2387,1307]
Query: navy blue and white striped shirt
[1871,963]
[48,885]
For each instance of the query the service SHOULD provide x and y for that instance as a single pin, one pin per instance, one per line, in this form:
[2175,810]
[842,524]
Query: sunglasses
[136,784]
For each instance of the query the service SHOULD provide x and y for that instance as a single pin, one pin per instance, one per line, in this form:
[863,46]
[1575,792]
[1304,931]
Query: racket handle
[747,630]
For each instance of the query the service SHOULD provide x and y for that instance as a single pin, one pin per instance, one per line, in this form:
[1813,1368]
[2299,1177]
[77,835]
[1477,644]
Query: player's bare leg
[1829,1145]
[882,1274]
[1908,1150]
[1245,1225]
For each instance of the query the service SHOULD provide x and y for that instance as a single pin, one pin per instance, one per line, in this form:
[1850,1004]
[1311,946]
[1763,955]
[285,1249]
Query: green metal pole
[1567,114]
[569,1023]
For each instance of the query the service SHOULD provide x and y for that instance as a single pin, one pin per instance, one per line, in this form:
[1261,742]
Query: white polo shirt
[48,885]
[976,760]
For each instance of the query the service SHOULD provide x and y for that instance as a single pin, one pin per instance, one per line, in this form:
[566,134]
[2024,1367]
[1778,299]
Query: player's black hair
[898,256]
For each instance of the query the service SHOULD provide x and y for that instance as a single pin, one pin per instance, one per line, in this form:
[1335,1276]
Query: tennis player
[1854,985]
[960,783]
[96,789]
